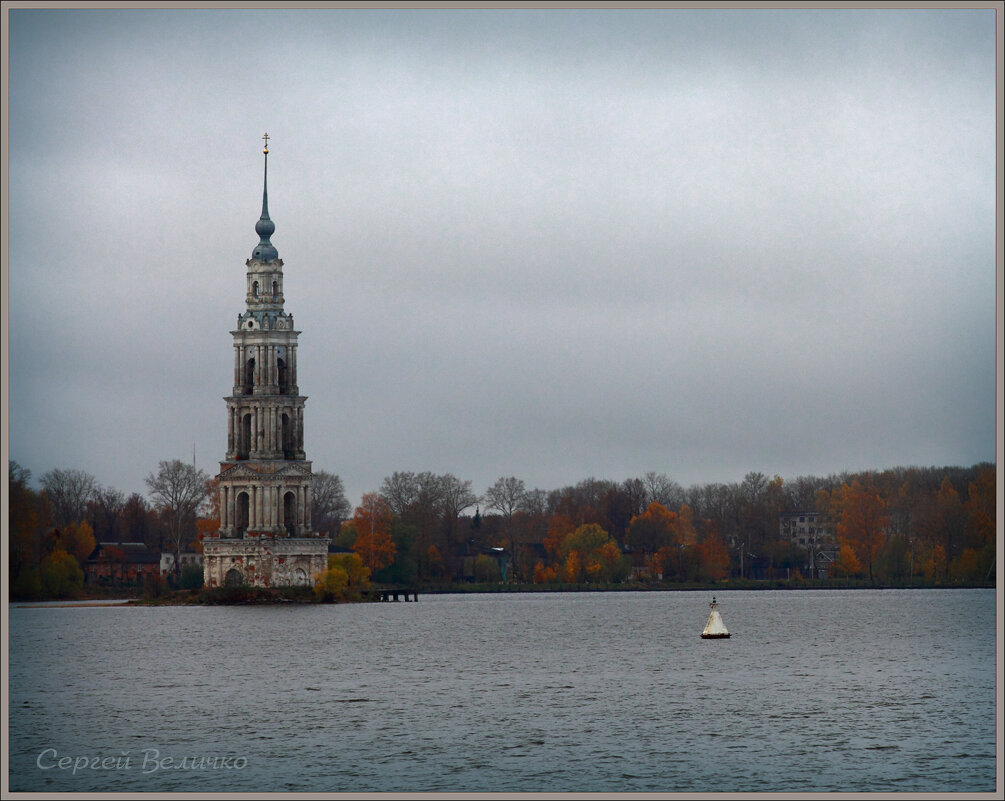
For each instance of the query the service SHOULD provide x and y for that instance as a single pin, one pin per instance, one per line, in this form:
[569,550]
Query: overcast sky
[547,244]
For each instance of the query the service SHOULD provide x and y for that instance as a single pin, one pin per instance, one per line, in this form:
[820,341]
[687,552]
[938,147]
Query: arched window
[244,445]
[283,384]
[287,438]
[254,289]
[275,289]
[290,513]
[249,377]
[243,508]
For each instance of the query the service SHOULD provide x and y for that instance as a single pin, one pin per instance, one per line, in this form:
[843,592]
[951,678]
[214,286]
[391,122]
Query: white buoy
[715,629]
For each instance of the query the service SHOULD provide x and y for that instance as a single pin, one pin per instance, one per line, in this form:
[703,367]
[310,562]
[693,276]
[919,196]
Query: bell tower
[265,536]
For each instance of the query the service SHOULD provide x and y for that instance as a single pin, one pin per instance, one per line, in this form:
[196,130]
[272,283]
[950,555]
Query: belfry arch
[290,513]
[243,513]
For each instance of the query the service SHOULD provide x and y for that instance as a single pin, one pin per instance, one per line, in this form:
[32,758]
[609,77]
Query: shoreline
[277,596]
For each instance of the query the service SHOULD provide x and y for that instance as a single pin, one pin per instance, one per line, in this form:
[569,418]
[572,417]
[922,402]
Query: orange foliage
[573,569]
[609,553]
[208,521]
[660,562]
[863,522]
[684,530]
[847,563]
[436,566]
[545,575]
[935,565]
[713,556]
[559,528]
[653,529]
[373,532]
[980,508]
[78,540]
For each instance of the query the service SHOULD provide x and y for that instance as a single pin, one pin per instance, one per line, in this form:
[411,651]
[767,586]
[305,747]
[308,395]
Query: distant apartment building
[816,532]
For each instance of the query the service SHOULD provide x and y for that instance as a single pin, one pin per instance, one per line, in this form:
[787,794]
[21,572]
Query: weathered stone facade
[269,562]
[265,537]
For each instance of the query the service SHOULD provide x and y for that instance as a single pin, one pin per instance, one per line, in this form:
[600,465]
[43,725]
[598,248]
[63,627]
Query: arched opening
[244,445]
[275,289]
[283,385]
[300,578]
[249,377]
[290,513]
[254,289]
[243,508]
[287,438]
[233,578]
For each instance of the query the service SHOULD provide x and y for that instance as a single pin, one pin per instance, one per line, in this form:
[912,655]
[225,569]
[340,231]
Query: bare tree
[400,490]
[103,512]
[506,496]
[455,497]
[329,506]
[663,490]
[635,490]
[177,490]
[68,492]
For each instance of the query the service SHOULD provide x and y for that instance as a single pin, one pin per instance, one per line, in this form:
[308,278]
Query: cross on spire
[266,138]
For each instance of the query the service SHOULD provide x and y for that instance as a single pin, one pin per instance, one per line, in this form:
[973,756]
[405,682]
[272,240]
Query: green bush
[191,577]
[61,575]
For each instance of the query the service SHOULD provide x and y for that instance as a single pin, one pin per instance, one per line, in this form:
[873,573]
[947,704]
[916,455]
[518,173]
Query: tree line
[936,524]
[925,523]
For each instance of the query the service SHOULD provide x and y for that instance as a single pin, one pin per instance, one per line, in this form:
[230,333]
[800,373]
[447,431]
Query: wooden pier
[395,594]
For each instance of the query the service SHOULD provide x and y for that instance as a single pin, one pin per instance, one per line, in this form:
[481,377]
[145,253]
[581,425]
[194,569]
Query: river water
[816,691]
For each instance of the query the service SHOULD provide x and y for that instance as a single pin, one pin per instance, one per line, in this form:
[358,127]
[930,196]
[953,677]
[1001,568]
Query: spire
[265,227]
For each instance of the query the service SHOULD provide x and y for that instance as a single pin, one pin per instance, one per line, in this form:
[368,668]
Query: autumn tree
[435,564]
[77,539]
[372,522]
[207,522]
[61,575]
[862,522]
[980,520]
[25,517]
[544,574]
[589,553]
[713,557]
[177,490]
[330,585]
[572,568]
[847,562]
[345,579]
[614,567]
[560,526]
[950,519]
[652,530]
